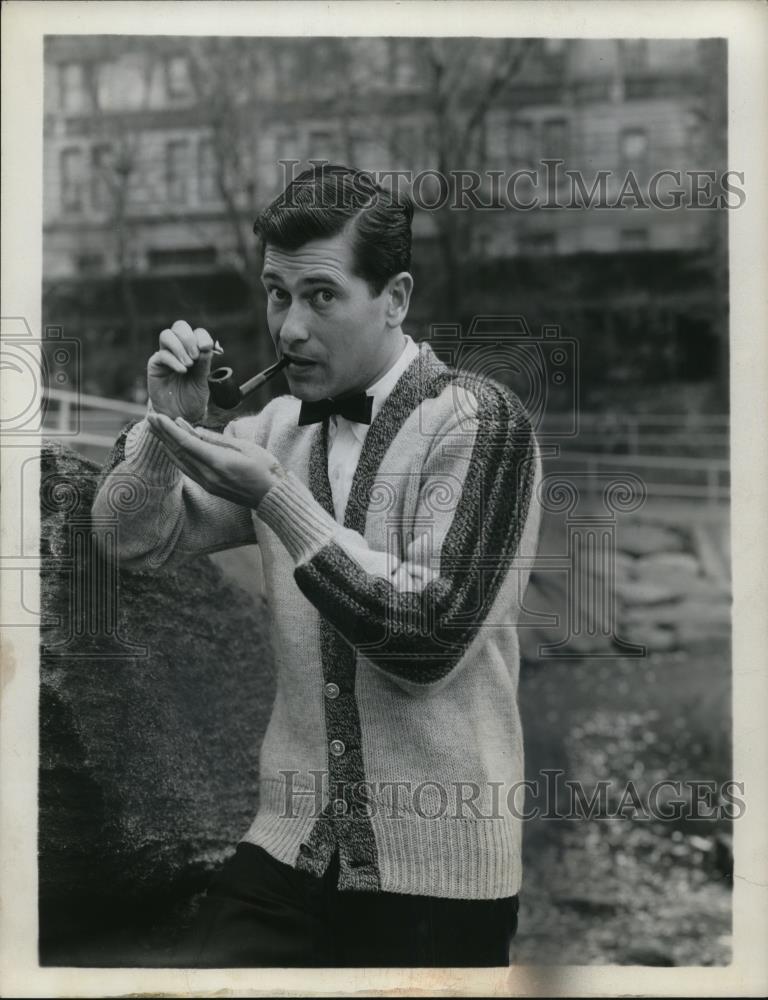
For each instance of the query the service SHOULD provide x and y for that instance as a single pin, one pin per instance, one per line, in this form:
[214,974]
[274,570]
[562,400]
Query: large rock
[641,538]
[677,572]
[643,592]
[152,709]
[711,614]
[548,594]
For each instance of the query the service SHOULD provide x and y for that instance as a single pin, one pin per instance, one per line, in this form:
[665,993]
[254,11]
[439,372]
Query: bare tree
[457,84]
[119,179]
[711,111]
[223,73]
[116,176]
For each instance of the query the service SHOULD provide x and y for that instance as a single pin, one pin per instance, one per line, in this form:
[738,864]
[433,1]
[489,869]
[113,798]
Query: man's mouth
[295,360]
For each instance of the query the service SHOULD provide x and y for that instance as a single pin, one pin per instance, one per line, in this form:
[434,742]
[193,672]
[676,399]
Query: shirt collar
[382,387]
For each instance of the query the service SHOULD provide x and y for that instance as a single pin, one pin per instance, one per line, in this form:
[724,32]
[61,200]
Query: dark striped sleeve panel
[421,635]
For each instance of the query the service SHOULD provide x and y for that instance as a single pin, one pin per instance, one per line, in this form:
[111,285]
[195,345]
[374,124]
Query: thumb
[201,368]
[212,437]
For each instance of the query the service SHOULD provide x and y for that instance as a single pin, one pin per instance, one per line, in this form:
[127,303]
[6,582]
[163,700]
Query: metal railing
[674,477]
[664,476]
[64,418]
[639,434]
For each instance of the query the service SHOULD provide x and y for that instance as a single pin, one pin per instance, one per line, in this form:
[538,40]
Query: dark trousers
[260,913]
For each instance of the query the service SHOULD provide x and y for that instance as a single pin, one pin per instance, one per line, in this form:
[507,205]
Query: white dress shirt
[346,437]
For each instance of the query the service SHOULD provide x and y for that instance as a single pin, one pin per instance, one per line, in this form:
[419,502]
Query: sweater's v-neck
[425,376]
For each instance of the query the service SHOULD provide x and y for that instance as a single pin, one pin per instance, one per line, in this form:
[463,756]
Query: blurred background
[159,152]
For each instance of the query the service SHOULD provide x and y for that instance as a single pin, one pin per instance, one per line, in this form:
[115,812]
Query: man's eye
[323,297]
[277,294]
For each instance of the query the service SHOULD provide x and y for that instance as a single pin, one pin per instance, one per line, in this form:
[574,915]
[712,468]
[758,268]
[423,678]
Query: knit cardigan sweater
[395,735]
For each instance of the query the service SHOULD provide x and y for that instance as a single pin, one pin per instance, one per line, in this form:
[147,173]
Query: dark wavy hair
[322,200]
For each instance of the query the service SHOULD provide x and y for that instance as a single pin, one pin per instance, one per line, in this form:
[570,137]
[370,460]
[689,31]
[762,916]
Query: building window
[101,167]
[538,244]
[554,138]
[370,63]
[90,263]
[176,171]
[207,186]
[321,145]
[634,54]
[406,141]
[177,82]
[73,90]
[520,142]
[634,239]
[554,46]
[402,61]
[634,144]
[286,70]
[286,146]
[552,57]
[694,140]
[182,259]
[72,180]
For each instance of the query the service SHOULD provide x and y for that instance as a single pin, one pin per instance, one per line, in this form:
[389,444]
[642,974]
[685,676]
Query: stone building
[160,150]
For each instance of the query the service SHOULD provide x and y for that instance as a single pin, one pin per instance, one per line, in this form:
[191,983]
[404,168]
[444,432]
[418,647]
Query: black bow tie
[357,407]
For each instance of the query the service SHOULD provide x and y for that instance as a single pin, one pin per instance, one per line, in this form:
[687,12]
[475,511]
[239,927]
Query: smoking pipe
[227,394]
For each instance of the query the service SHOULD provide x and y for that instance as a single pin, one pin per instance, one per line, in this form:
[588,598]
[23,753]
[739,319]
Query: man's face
[325,317]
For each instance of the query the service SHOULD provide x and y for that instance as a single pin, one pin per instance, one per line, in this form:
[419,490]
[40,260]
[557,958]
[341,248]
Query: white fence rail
[93,422]
[664,477]
[639,434]
[82,419]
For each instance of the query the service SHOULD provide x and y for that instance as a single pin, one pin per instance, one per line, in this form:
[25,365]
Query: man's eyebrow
[270,276]
[320,278]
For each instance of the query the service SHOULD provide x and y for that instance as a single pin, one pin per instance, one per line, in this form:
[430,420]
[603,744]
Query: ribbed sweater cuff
[297,519]
[148,457]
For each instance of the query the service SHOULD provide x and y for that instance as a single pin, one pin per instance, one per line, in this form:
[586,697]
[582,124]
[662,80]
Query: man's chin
[306,393]
[311,390]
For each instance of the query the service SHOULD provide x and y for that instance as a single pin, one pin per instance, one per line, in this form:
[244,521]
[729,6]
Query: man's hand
[239,471]
[177,374]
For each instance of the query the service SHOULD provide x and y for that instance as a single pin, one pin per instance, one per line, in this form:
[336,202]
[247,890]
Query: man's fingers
[166,359]
[186,335]
[216,439]
[170,341]
[203,339]
[188,466]
[178,453]
[160,428]
[169,431]
[180,439]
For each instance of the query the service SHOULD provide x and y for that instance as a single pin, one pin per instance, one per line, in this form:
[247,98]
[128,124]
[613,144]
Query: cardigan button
[339,807]
[331,690]
[337,748]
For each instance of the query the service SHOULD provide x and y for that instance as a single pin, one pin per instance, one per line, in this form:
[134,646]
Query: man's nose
[294,328]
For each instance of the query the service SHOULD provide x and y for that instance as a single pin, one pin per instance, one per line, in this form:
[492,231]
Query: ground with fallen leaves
[627,890]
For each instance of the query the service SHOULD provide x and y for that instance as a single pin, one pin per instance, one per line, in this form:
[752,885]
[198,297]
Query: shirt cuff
[297,519]
[147,456]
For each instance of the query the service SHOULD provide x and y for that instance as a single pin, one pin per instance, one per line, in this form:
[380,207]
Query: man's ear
[398,292]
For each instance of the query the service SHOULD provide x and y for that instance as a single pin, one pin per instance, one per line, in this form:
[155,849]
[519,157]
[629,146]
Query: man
[393,499]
